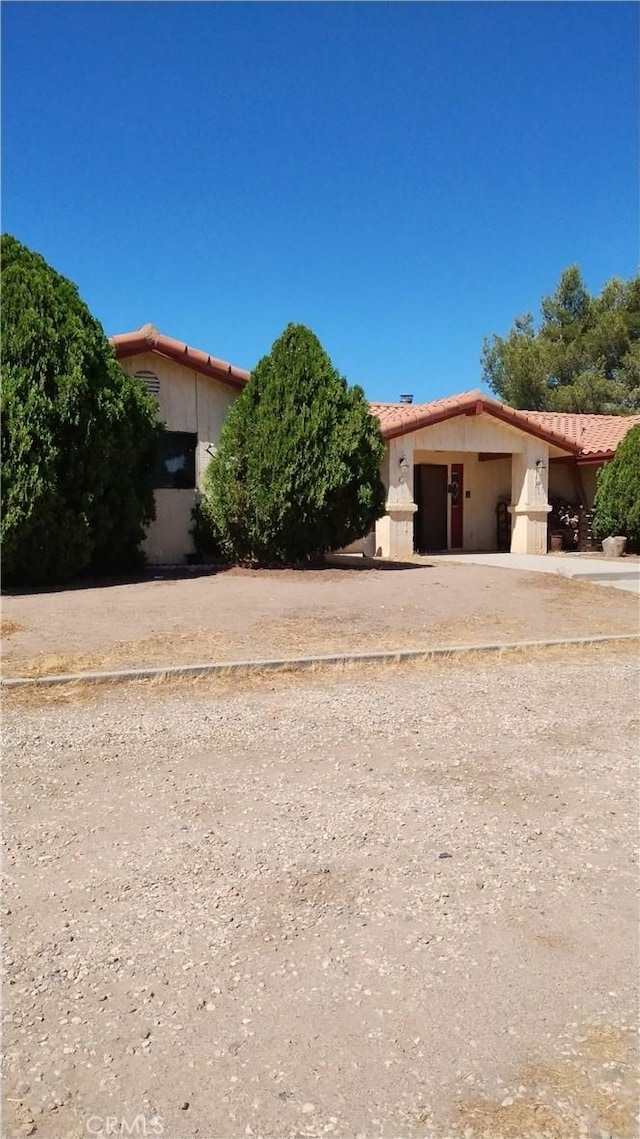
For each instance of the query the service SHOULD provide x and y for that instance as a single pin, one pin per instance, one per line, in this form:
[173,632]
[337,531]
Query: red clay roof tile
[400,419]
[148,339]
[590,437]
[596,435]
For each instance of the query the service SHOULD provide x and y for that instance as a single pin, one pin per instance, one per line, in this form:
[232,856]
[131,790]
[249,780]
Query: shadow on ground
[346,564]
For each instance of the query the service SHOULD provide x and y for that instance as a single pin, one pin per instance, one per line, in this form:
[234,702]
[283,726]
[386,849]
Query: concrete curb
[602,578]
[295,664]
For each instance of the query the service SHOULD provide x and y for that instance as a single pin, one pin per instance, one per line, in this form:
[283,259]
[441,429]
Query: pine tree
[297,470]
[584,356]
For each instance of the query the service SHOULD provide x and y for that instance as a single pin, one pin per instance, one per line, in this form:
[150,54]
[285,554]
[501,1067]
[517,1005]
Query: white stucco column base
[394,531]
[529,528]
[529,506]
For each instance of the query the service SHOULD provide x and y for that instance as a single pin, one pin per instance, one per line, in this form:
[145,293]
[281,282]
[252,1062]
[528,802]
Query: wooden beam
[487,456]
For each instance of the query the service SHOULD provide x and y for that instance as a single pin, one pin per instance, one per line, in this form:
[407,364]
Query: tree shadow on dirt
[337,563]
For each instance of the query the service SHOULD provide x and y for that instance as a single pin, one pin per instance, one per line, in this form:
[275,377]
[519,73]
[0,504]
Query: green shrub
[79,435]
[297,470]
[617,501]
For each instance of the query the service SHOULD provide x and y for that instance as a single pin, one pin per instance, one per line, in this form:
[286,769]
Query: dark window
[177,465]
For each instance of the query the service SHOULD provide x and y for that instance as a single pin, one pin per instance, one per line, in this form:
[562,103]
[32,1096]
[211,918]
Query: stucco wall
[187,401]
[562,483]
[589,475]
[469,433]
[168,540]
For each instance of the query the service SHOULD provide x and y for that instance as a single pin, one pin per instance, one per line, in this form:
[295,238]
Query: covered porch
[473,476]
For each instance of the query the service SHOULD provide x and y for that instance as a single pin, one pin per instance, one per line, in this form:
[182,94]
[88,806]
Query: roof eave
[133,343]
[511,416]
[595,457]
[215,370]
[475,406]
[395,430]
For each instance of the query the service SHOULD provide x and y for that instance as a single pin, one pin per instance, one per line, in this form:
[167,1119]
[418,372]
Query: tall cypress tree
[297,470]
[79,435]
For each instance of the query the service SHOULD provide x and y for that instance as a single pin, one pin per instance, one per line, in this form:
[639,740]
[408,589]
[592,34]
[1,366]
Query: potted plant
[562,525]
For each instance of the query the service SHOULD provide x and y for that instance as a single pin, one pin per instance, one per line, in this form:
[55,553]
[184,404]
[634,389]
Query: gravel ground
[380,903]
[244,614]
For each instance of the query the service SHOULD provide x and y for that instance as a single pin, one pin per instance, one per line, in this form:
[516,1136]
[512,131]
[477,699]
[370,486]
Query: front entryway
[431,498]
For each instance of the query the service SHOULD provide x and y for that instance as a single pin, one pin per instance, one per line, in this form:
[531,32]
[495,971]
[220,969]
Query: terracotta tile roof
[596,435]
[591,437]
[401,418]
[148,339]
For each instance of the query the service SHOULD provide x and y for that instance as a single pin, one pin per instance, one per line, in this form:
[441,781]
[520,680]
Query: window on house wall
[177,465]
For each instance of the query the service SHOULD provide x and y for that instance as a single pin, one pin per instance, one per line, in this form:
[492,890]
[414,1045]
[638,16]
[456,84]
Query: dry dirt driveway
[245,614]
[392,903]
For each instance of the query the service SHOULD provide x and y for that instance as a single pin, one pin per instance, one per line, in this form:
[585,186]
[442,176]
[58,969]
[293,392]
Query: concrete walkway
[620,573]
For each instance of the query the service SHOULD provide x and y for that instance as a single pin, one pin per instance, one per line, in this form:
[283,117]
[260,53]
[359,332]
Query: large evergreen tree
[584,356]
[296,473]
[617,502]
[79,435]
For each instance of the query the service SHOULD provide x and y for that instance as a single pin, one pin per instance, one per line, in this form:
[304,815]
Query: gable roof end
[401,419]
[148,339]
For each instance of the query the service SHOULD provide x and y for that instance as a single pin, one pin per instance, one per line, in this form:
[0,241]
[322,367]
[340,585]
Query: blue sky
[403,178]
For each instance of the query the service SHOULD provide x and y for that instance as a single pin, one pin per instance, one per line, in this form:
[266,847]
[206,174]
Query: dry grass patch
[606,1043]
[550,939]
[207,685]
[583,1087]
[478,627]
[148,652]
[51,664]
[584,1090]
[307,632]
[9,627]
[298,634]
[526,1119]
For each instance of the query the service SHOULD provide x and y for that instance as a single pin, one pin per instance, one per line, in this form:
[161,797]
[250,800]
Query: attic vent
[151,382]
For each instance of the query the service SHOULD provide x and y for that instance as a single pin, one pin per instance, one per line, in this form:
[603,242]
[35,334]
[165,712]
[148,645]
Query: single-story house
[461,473]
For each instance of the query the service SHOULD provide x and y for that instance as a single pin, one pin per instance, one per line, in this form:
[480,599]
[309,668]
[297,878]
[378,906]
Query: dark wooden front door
[430,490]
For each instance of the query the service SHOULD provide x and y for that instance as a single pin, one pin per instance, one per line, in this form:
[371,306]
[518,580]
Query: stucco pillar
[529,504]
[394,531]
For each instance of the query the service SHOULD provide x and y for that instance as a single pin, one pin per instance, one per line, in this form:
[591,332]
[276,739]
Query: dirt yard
[388,903]
[244,614]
